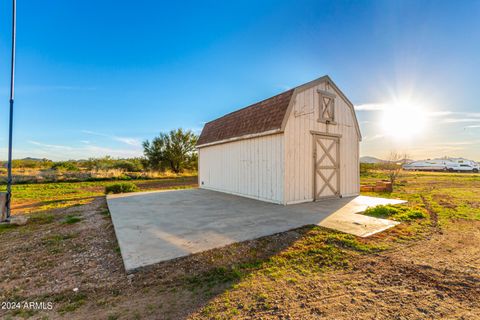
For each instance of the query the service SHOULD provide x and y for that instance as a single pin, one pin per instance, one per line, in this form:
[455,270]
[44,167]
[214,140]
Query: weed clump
[121,187]
[399,213]
[41,218]
[5,227]
[71,219]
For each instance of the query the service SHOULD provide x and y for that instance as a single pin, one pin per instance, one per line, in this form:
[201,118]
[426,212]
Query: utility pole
[12,95]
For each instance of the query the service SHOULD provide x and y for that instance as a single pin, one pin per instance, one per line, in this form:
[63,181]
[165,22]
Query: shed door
[327,167]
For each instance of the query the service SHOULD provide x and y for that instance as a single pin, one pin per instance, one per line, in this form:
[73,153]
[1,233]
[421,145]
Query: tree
[393,166]
[175,149]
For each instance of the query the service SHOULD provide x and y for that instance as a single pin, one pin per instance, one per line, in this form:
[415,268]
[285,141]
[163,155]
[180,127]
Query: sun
[403,120]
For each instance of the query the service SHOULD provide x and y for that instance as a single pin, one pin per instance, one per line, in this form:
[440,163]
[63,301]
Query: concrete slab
[163,225]
[347,219]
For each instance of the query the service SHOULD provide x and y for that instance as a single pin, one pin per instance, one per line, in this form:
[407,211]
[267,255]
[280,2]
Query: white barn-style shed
[301,145]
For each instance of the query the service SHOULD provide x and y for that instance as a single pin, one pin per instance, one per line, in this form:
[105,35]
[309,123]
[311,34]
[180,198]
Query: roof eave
[244,137]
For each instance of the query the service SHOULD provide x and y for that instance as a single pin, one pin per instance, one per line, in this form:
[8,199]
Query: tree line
[174,150]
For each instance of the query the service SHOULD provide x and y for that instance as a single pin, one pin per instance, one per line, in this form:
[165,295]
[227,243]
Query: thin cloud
[61,152]
[372,138]
[383,106]
[371,107]
[129,141]
[126,140]
[49,146]
[439,113]
[459,120]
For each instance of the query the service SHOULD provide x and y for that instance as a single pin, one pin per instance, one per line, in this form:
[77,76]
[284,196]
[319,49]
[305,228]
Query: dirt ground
[75,264]
[436,278]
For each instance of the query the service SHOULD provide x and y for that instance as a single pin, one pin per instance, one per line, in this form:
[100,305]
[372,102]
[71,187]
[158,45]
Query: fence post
[3,206]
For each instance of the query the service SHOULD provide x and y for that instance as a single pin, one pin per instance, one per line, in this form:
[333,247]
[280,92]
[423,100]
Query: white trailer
[447,164]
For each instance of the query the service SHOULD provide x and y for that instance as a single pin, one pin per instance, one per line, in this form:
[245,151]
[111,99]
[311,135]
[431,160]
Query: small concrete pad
[157,226]
[347,219]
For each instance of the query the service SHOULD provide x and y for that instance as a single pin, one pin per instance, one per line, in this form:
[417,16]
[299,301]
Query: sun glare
[403,120]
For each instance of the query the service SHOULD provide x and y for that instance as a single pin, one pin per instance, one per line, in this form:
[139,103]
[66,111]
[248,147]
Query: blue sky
[98,77]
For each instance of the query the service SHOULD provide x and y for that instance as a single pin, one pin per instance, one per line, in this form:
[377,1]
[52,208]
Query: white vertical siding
[252,168]
[299,164]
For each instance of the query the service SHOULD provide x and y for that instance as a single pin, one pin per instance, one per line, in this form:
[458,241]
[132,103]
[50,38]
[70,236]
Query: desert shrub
[366,168]
[131,165]
[121,187]
[65,166]
[399,213]
[31,163]
[104,163]
[109,163]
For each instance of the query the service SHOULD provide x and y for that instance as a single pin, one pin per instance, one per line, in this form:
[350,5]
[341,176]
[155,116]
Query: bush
[108,163]
[365,168]
[65,166]
[133,165]
[30,163]
[121,187]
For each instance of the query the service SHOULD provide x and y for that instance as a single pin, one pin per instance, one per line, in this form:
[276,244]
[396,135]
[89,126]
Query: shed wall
[252,167]
[299,163]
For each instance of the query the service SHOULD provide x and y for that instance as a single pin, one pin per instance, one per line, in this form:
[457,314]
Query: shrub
[31,163]
[65,166]
[121,188]
[133,165]
[366,168]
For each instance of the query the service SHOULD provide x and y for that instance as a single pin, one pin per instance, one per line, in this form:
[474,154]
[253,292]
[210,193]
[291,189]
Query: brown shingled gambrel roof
[260,117]
[263,116]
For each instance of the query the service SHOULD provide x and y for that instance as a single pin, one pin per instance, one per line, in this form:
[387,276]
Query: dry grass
[28,175]
[36,197]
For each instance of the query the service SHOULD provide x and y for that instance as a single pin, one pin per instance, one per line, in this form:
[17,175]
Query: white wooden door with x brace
[326,167]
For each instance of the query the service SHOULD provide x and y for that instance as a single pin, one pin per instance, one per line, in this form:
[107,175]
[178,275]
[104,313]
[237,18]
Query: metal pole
[12,94]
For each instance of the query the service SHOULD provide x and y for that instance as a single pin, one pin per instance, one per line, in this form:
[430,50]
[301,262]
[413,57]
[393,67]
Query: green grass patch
[71,219]
[348,241]
[41,218]
[4,227]
[121,187]
[215,276]
[57,239]
[24,313]
[318,250]
[56,242]
[73,302]
[398,213]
